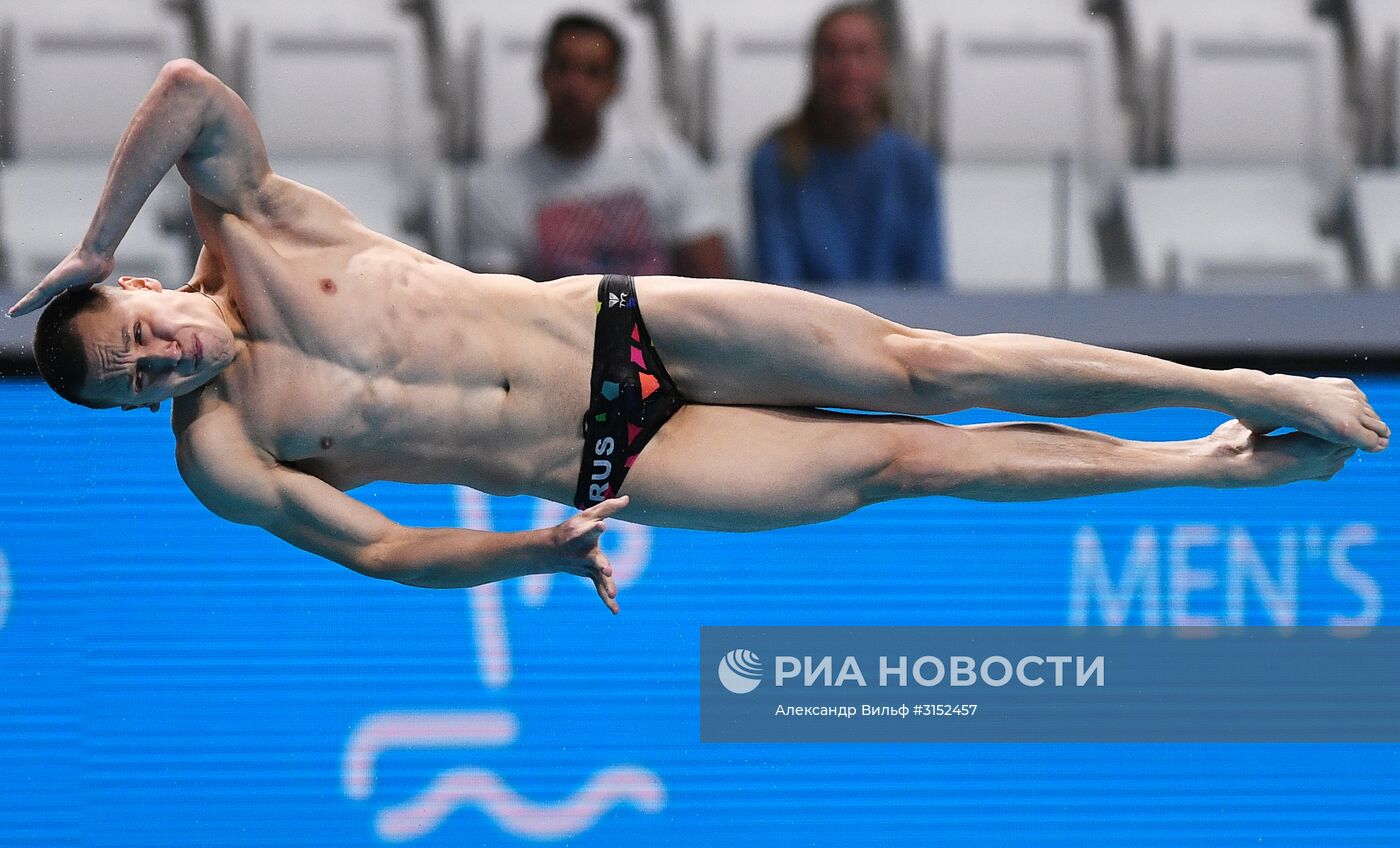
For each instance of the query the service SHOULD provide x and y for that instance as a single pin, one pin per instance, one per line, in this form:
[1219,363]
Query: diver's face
[849,66]
[150,344]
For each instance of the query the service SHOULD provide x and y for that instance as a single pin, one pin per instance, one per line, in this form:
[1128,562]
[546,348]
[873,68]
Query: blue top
[866,214]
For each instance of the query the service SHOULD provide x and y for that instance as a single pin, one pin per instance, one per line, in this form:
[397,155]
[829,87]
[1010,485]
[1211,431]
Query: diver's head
[132,345]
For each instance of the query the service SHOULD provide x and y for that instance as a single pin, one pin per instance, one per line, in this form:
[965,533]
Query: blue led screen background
[170,679]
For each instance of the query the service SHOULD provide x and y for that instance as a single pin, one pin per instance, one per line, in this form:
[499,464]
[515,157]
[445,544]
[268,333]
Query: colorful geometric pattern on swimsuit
[631,395]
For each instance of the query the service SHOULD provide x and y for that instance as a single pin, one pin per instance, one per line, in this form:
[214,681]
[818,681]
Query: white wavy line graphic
[516,815]
[386,731]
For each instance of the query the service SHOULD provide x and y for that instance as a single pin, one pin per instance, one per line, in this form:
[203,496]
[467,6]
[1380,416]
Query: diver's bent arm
[247,487]
[455,558]
[188,118]
[319,518]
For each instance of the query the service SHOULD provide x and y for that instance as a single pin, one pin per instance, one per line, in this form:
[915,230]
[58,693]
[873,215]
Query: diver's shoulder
[222,467]
[206,425]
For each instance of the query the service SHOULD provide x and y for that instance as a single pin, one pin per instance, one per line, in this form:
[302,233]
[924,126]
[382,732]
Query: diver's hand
[575,545]
[81,267]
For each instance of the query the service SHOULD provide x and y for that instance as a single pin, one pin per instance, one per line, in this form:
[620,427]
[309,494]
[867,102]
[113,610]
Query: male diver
[309,355]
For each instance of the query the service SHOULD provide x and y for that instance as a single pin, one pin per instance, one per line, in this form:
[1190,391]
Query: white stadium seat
[228,17]
[1151,19]
[1024,227]
[694,19]
[1256,133]
[341,96]
[1023,107]
[1375,42]
[928,26]
[1247,100]
[1232,229]
[99,61]
[460,17]
[1030,97]
[1236,36]
[340,77]
[730,178]
[742,66]
[75,71]
[1154,24]
[922,20]
[738,110]
[1376,193]
[1376,21]
[45,207]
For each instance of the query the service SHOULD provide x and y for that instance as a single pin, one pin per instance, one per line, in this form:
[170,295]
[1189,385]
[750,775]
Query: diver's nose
[168,351]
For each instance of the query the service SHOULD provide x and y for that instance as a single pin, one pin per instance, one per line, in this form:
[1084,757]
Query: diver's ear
[147,283]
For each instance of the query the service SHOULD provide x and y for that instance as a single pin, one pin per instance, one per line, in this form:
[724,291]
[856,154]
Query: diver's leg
[731,342]
[752,468]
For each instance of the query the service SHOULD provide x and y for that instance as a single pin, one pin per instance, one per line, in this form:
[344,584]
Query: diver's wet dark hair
[58,349]
[575,22]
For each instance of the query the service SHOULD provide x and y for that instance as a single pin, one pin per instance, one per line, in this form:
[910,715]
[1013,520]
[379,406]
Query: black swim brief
[630,398]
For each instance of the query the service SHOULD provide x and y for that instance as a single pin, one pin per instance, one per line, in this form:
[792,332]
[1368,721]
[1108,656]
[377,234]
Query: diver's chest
[298,406]
[321,306]
[354,332]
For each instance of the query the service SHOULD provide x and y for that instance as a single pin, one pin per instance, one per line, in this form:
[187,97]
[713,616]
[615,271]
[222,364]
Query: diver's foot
[1251,459]
[1331,408]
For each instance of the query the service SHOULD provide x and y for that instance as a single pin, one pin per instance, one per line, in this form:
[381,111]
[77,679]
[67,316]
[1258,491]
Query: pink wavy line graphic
[383,731]
[5,589]
[517,816]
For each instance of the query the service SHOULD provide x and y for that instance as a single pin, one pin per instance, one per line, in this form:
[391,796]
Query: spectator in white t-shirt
[587,197]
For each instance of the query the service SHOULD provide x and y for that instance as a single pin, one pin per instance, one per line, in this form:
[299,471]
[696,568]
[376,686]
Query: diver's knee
[943,367]
[927,458]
